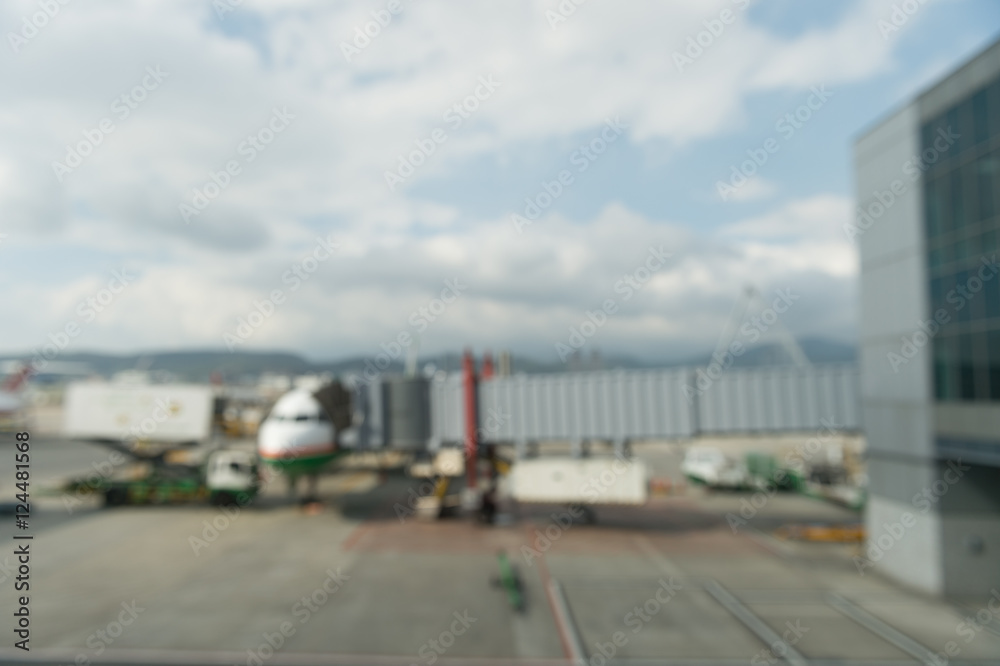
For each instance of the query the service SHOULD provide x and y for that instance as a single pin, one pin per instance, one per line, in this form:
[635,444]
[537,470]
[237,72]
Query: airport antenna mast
[751,297]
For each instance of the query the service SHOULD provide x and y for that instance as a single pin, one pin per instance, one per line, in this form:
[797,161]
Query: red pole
[487,366]
[19,377]
[471,420]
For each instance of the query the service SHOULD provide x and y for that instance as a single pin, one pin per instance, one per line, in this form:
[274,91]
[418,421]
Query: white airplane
[11,399]
[298,439]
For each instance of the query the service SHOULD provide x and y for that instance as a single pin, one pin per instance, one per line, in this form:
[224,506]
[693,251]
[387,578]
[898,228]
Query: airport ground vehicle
[226,477]
[711,467]
[157,426]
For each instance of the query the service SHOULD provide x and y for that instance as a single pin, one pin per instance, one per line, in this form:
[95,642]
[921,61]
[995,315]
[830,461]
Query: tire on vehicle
[223,498]
[115,497]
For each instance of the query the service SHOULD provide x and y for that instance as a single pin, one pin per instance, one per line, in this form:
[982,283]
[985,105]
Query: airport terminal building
[928,190]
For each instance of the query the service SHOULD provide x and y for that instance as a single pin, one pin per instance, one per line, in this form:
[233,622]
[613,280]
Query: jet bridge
[623,405]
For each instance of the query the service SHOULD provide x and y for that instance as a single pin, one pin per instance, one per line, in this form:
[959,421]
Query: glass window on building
[967,126]
[981,116]
[970,192]
[977,290]
[931,131]
[956,194]
[936,195]
[981,365]
[965,249]
[991,292]
[994,108]
[994,364]
[952,357]
[951,121]
[987,168]
[961,204]
[966,369]
[958,297]
[945,386]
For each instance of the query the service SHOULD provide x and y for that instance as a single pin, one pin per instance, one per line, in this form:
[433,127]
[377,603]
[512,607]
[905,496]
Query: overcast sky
[313,121]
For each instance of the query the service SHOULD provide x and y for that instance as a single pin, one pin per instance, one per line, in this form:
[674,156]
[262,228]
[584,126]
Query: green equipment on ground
[227,477]
[510,580]
[763,470]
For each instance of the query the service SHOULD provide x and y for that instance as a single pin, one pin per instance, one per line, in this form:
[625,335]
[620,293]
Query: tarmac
[674,582]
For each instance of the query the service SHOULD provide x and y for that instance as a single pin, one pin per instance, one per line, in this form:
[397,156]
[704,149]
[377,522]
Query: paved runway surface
[670,583]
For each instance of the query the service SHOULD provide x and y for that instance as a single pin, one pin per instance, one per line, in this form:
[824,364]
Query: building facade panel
[936,402]
[887,192]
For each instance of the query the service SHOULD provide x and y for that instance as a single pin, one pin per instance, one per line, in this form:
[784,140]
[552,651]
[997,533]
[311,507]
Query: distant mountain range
[199,366]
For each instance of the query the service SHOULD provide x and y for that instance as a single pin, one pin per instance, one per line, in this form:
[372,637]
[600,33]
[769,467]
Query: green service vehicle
[227,477]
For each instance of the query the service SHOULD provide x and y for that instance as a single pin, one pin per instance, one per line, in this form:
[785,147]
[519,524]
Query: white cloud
[754,189]
[523,291]
[352,121]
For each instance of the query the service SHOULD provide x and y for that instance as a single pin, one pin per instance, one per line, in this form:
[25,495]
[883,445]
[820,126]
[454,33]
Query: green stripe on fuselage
[303,465]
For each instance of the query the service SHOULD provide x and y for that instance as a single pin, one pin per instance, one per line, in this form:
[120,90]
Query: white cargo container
[169,413]
[579,481]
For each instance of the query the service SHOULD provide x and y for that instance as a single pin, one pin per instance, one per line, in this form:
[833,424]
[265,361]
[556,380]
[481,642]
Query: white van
[710,466]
